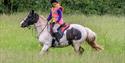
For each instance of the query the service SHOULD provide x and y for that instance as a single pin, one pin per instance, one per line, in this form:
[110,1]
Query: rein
[43,28]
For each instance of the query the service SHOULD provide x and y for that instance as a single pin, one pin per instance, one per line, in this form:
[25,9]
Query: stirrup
[57,36]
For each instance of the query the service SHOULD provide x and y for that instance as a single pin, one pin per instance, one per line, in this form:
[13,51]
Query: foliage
[99,7]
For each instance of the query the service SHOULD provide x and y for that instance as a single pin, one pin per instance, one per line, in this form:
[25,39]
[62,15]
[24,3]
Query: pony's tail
[91,39]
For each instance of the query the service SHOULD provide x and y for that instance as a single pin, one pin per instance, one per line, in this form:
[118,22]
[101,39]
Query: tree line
[99,7]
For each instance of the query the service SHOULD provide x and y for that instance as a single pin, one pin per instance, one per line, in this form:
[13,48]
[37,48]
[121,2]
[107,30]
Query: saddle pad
[63,27]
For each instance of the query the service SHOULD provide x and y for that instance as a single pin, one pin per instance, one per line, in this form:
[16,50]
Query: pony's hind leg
[78,49]
[81,50]
[93,44]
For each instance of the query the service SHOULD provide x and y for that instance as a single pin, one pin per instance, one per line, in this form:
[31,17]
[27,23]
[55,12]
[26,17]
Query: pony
[80,32]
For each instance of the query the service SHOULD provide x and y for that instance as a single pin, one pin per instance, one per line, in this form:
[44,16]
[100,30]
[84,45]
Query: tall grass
[19,45]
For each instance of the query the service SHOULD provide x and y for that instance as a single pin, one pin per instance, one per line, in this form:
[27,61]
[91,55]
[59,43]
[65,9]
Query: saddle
[61,29]
[59,35]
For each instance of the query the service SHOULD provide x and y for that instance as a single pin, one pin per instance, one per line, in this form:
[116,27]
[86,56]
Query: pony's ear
[32,12]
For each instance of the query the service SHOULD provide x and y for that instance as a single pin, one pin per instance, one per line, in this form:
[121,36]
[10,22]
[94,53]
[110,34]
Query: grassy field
[19,45]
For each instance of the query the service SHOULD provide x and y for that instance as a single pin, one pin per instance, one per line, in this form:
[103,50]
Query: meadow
[19,45]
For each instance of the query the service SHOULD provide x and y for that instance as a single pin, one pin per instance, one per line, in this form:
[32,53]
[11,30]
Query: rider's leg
[55,27]
[56,32]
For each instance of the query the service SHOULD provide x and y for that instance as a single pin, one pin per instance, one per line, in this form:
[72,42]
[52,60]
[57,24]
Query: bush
[99,7]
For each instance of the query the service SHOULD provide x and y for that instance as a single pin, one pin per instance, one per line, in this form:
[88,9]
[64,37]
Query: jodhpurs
[55,27]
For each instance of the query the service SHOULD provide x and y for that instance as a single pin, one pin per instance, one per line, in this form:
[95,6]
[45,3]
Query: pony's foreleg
[44,49]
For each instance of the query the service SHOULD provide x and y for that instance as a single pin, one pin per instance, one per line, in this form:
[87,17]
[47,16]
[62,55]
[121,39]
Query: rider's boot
[58,36]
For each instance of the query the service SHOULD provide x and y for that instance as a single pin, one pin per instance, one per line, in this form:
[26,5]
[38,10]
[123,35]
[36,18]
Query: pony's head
[30,19]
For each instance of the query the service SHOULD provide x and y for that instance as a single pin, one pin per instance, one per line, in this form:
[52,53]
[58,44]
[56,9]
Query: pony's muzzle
[23,25]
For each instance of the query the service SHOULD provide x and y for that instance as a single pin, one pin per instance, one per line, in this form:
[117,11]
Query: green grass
[19,45]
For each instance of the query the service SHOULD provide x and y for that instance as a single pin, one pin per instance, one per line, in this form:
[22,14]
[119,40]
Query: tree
[7,6]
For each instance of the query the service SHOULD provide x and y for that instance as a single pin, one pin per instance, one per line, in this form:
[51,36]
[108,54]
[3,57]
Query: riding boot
[58,36]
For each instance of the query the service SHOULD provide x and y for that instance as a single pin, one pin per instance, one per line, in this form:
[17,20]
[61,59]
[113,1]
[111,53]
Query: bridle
[29,27]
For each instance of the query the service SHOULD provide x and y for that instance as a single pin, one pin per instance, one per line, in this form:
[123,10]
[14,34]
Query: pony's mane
[44,19]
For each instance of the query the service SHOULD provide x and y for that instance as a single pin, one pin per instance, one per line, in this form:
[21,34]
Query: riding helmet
[52,1]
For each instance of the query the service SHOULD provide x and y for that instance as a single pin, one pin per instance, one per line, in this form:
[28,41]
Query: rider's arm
[50,16]
[60,15]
